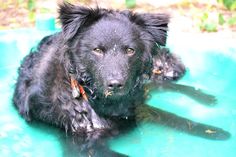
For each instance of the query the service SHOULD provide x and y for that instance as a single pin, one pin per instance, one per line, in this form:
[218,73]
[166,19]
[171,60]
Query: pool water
[210,68]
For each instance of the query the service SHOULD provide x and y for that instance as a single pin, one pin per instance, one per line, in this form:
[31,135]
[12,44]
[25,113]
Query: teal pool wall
[211,67]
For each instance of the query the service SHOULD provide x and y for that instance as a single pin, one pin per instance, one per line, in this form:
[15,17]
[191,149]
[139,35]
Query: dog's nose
[115,84]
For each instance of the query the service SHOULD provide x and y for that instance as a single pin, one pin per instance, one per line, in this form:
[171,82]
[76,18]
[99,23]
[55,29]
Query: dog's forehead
[113,29]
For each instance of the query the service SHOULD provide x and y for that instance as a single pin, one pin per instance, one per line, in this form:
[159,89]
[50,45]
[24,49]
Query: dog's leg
[196,94]
[151,114]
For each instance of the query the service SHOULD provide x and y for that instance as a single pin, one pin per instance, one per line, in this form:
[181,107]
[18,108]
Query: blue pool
[211,67]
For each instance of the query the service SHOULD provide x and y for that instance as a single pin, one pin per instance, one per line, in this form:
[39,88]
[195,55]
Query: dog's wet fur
[112,54]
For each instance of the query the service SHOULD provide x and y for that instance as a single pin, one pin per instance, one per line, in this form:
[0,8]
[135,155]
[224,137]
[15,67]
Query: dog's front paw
[204,98]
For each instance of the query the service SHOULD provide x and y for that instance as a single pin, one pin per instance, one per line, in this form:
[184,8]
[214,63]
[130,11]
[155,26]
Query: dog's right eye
[98,51]
[130,51]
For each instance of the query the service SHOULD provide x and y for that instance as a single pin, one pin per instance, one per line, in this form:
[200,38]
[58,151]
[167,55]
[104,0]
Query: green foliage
[229,4]
[31,5]
[232,21]
[221,19]
[32,16]
[204,17]
[212,25]
[208,27]
[130,3]
[206,24]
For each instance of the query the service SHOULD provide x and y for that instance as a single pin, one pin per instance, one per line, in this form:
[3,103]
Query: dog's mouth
[115,94]
[102,91]
[106,93]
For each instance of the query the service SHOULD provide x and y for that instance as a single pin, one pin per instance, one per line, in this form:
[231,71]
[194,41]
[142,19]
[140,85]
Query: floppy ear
[155,24]
[74,18]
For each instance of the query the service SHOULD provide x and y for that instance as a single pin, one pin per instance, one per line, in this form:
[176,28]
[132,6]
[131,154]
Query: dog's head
[113,48]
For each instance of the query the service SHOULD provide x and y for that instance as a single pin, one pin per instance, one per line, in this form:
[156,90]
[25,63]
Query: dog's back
[34,73]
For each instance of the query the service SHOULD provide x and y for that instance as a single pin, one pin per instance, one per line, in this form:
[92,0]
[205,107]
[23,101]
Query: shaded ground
[18,13]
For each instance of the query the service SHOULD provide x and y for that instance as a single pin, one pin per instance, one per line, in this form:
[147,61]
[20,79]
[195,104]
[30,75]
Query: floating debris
[208,131]
[108,93]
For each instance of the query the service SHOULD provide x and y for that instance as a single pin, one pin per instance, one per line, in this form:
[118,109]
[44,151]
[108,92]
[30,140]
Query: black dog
[91,78]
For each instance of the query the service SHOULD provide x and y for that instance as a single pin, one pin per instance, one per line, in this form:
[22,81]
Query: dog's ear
[155,24]
[74,18]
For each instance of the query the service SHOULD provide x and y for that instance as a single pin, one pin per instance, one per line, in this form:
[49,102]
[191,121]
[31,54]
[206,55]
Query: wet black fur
[43,89]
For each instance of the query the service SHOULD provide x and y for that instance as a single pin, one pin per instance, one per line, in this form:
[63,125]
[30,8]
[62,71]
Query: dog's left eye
[130,51]
[98,51]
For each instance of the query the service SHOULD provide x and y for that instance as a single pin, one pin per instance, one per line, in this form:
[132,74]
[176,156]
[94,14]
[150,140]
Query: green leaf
[210,27]
[232,21]
[31,5]
[233,6]
[221,19]
[230,4]
[130,3]
[204,17]
[32,16]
